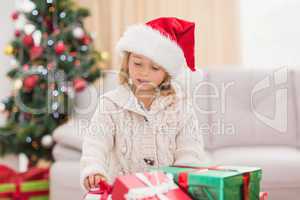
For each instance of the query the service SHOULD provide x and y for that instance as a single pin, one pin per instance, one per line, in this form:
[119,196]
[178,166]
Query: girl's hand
[92,181]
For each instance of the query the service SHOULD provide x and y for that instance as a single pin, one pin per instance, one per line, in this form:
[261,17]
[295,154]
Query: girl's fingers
[86,184]
[92,181]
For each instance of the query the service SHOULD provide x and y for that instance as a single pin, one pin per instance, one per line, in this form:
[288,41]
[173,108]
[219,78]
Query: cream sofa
[247,117]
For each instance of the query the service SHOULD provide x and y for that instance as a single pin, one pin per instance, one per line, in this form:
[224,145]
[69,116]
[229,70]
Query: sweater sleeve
[97,144]
[189,142]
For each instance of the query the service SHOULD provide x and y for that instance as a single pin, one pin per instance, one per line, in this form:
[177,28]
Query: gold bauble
[9,50]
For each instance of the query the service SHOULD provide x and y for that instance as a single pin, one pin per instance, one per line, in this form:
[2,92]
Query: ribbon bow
[151,190]
[104,190]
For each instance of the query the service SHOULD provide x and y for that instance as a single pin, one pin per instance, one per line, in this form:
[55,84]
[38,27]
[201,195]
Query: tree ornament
[26,67]
[15,15]
[17,33]
[73,53]
[47,141]
[30,82]
[60,47]
[37,37]
[35,12]
[27,40]
[25,5]
[79,84]
[18,84]
[29,28]
[78,32]
[84,48]
[86,40]
[9,50]
[62,15]
[28,139]
[36,52]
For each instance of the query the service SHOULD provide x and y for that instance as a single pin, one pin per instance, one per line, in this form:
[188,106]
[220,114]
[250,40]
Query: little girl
[145,122]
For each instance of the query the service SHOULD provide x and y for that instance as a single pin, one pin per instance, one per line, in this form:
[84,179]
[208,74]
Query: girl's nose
[146,70]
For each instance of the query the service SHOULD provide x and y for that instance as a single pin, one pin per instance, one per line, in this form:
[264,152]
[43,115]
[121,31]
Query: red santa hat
[168,41]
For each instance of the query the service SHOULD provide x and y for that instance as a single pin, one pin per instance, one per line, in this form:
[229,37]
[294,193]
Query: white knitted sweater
[123,138]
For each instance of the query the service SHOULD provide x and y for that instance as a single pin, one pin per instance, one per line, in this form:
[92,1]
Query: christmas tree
[53,57]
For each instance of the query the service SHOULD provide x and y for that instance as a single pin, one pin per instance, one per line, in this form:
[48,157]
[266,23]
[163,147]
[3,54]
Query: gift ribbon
[151,190]
[10,176]
[263,196]
[104,190]
[183,177]
[23,195]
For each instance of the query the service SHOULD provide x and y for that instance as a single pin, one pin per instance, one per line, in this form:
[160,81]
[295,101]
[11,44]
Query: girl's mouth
[142,81]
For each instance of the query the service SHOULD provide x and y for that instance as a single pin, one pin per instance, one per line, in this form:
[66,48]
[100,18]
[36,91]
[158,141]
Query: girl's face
[145,74]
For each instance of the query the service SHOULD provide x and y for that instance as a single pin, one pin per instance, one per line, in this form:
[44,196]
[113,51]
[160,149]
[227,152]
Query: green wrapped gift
[218,183]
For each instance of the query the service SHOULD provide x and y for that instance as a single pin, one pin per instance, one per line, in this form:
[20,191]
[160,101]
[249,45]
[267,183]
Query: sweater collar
[125,98]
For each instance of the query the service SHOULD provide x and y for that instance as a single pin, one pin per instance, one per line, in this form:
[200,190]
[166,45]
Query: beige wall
[217,21]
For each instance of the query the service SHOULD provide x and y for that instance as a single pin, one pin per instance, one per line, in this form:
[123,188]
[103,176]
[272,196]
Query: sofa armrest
[63,153]
[71,133]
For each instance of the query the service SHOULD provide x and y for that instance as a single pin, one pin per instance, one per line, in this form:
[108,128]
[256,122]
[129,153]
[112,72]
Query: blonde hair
[165,87]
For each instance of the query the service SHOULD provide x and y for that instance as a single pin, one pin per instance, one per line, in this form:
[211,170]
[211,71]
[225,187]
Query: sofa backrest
[235,107]
[246,107]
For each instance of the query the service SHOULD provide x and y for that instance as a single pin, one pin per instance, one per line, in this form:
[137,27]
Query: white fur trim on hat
[144,40]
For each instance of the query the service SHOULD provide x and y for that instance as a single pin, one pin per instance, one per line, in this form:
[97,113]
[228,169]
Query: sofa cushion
[192,84]
[280,164]
[296,79]
[61,152]
[243,108]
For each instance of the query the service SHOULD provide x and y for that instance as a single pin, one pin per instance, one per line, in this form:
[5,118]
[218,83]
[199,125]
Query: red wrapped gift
[150,186]
[263,196]
[24,186]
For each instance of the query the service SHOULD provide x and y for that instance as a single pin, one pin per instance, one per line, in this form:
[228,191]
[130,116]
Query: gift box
[30,185]
[150,186]
[263,196]
[218,183]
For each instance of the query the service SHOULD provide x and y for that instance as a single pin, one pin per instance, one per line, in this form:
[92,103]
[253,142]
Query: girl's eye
[155,68]
[137,64]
